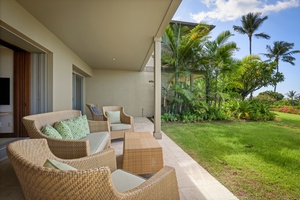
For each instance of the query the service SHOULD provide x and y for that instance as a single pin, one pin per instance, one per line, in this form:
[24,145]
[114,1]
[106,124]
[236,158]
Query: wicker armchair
[91,180]
[60,147]
[95,112]
[125,119]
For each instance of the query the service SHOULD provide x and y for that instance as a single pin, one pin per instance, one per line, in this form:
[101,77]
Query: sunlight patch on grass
[287,119]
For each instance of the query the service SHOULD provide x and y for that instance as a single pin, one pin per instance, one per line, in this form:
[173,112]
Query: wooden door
[21,91]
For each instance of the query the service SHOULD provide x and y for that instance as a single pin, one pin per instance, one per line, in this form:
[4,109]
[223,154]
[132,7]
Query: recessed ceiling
[106,34]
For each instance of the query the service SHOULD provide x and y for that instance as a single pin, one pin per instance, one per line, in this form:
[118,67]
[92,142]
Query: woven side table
[142,153]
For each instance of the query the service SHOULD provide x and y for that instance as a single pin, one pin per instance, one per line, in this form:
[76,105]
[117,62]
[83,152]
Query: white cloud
[208,3]
[229,10]
[177,18]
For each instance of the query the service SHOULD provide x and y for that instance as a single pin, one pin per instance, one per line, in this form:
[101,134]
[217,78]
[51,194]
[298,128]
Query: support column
[157,88]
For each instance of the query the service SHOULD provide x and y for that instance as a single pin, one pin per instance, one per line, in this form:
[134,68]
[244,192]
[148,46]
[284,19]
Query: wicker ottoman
[142,153]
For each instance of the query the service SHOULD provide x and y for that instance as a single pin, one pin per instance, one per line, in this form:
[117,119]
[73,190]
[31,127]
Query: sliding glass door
[77,92]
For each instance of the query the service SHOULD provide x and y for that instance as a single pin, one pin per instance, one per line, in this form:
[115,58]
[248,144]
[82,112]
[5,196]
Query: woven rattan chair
[60,147]
[91,180]
[124,118]
[95,112]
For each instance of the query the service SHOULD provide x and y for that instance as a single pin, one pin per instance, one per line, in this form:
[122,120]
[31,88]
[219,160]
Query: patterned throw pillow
[79,126]
[64,130]
[51,132]
[96,110]
[114,116]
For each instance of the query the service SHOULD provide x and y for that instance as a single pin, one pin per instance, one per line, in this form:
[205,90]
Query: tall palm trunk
[277,70]
[176,106]
[250,48]
[207,87]
[216,89]
[250,44]
[191,82]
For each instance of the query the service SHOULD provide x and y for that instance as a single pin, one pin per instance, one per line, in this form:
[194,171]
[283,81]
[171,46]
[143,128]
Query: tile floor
[194,182]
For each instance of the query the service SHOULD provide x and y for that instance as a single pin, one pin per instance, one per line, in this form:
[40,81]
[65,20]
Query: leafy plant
[248,109]
[168,117]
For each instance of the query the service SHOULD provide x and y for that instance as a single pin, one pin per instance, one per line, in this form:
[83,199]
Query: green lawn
[254,160]
[287,119]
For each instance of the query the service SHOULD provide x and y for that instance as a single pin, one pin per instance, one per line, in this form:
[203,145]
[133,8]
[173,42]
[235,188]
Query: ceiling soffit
[106,34]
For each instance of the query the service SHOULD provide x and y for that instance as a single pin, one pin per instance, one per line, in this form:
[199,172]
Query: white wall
[15,16]
[131,90]
[6,70]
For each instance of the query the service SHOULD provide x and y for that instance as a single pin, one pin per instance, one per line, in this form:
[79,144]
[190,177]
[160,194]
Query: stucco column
[157,88]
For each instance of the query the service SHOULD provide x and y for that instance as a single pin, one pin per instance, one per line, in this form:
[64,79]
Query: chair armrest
[105,118]
[106,157]
[162,185]
[69,149]
[126,119]
[47,183]
[98,126]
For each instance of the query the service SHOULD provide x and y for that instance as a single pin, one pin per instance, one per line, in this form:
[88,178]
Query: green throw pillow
[114,116]
[64,130]
[51,132]
[54,164]
[79,126]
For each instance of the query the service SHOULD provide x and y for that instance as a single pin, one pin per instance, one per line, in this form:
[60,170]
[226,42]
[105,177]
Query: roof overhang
[106,34]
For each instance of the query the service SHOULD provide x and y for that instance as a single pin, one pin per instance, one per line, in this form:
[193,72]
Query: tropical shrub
[282,103]
[218,114]
[265,98]
[168,117]
[187,117]
[275,95]
[249,110]
[260,111]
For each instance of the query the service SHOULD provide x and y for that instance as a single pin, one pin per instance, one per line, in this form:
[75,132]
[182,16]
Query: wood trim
[7,135]
[21,91]
[10,46]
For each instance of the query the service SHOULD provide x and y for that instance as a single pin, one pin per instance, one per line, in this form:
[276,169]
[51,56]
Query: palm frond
[240,30]
[262,35]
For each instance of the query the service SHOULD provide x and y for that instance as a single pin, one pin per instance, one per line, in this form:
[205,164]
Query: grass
[254,160]
[286,119]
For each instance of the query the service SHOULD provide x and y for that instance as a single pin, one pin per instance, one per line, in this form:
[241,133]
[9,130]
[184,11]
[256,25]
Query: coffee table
[142,154]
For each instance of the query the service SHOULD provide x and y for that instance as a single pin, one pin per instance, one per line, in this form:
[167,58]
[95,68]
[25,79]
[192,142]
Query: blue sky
[282,25]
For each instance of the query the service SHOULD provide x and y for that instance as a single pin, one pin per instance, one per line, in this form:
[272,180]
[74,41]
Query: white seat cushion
[54,164]
[124,181]
[119,127]
[97,140]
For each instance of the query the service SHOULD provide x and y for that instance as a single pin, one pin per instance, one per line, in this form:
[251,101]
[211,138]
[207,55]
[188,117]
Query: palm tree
[250,23]
[281,51]
[292,95]
[178,45]
[215,58]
